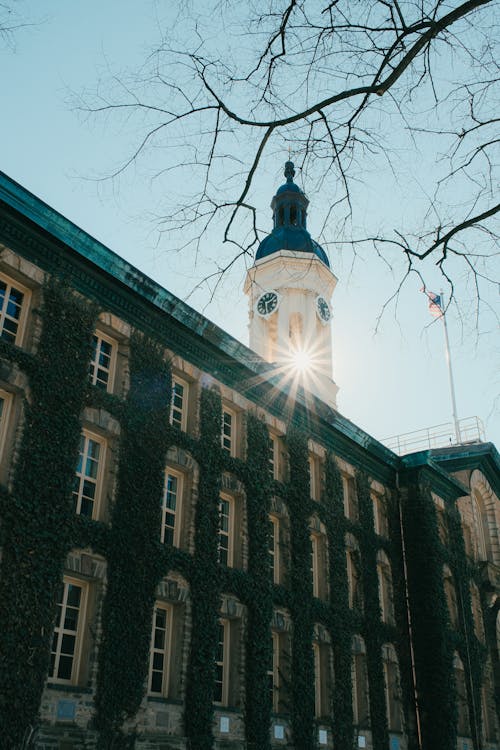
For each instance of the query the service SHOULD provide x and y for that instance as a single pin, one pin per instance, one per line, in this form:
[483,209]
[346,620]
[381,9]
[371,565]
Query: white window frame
[165,651]
[181,423]
[179,476]
[314,478]
[96,508]
[94,366]
[224,664]
[21,321]
[274,547]
[4,418]
[78,634]
[273,447]
[229,439]
[229,533]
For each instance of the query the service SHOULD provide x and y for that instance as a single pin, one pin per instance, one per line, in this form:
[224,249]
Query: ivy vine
[433,641]
[135,562]
[205,578]
[260,601]
[38,517]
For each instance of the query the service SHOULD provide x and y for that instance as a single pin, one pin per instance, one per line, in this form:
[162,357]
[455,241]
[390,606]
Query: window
[88,475]
[178,407]
[273,456]
[354,578]
[67,632]
[392,689]
[221,662]
[385,590]
[158,661]
[102,364]
[350,498]
[380,521]
[228,436]
[5,404]
[314,478]
[451,596]
[315,563]
[225,530]
[323,672]
[319,559]
[273,673]
[12,298]
[274,550]
[476,611]
[171,508]
[359,683]
[463,727]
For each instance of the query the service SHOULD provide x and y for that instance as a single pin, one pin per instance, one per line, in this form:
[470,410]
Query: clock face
[323,309]
[267,303]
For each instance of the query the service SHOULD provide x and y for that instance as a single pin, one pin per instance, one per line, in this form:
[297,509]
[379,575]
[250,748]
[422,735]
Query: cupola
[289,207]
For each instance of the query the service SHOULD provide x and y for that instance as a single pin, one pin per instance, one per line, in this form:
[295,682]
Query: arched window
[360,702]
[279,670]
[385,590]
[168,633]
[392,688]
[451,596]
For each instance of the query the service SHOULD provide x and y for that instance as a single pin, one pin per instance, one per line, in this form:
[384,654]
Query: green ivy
[38,515]
[433,642]
[135,560]
[260,602]
[302,665]
[340,625]
[39,528]
[373,630]
[205,579]
[472,651]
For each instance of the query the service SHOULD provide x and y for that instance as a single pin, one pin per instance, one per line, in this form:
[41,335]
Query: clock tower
[289,288]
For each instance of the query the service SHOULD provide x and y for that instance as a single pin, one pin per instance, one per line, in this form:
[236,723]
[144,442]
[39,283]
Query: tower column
[289,288]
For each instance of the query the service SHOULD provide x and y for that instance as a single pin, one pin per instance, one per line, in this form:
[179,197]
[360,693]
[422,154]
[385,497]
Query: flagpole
[450,373]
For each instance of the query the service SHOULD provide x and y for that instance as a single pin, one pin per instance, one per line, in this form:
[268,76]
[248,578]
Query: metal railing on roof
[437,436]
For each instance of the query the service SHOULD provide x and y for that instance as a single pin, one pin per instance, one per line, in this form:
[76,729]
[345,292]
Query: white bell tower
[289,288]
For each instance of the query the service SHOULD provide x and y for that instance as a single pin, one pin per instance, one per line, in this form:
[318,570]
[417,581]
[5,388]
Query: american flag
[435,307]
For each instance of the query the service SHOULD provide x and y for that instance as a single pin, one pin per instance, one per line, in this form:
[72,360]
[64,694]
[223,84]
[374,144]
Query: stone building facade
[191,560]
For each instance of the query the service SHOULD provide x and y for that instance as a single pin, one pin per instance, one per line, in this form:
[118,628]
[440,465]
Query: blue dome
[290,238]
[289,187]
[289,213]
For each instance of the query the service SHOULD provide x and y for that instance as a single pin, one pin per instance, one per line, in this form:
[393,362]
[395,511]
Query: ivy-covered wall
[39,528]
[136,559]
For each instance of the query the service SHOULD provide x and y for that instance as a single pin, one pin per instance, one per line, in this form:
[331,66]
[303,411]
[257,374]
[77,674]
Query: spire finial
[289,171]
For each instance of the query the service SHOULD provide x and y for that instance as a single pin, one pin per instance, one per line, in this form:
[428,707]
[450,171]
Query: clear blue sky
[390,382]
